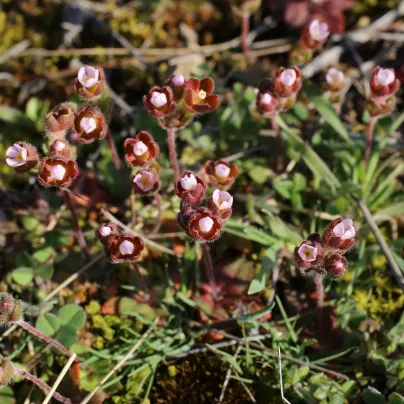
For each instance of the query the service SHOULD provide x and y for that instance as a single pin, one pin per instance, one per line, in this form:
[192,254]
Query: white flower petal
[222,170]
[385,77]
[307,253]
[178,80]
[57,172]
[319,30]
[288,77]
[158,99]
[266,99]
[188,182]
[139,148]
[126,247]
[59,145]
[205,224]
[144,180]
[88,124]
[88,76]
[105,231]
[14,163]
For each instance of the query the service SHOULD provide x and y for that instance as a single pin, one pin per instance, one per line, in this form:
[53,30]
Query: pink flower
[344,229]
[221,202]
[383,82]
[385,77]
[22,157]
[340,234]
[307,253]
[146,182]
[335,79]
[288,77]
[188,182]
[88,76]
[319,30]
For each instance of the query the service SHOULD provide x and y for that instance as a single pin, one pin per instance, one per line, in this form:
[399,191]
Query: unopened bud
[335,266]
[10,309]
[6,371]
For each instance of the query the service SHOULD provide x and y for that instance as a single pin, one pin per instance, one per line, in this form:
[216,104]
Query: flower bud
[221,172]
[22,157]
[309,254]
[198,97]
[221,203]
[89,124]
[315,34]
[89,83]
[60,148]
[141,150]
[146,182]
[6,371]
[381,107]
[383,82]
[335,265]
[204,225]
[59,120]
[267,103]
[159,102]
[177,83]
[124,248]
[105,231]
[335,79]
[57,172]
[340,234]
[10,309]
[287,82]
[190,188]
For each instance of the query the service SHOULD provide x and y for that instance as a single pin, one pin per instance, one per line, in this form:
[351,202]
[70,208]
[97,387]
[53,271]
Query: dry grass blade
[59,379]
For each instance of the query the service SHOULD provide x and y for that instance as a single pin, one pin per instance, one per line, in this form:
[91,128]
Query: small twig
[245,28]
[382,243]
[173,153]
[59,379]
[228,374]
[280,375]
[147,241]
[120,363]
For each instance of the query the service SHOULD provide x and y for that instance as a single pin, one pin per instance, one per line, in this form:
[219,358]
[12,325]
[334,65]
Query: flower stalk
[42,385]
[173,153]
[115,157]
[23,324]
[159,217]
[245,29]
[207,259]
[77,228]
[318,280]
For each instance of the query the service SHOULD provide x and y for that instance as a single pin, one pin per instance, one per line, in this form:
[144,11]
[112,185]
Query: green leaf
[23,276]
[300,110]
[30,223]
[371,396]
[310,157]
[72,315]
[48,323]
[130,307]
[248,233]
[67,335]
[395,398]
[44,271]
[299,182]
[229,358]
[43,254]
[256,314]
[7,395]
[392,210]
[325,109]
[283,187]
[268,262]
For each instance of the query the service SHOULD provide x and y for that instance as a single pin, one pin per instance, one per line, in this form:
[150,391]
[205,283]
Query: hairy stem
[115,157]
[79,234]
[159,217]
[207,259]
[173,153]
[45,338]
[369,139]
[42,385]
[245,28]
[280,162]
[318,280]
[133,207]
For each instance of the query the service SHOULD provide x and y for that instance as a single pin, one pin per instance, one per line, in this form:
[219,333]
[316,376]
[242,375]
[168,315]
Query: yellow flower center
[308,254]
[145,181]
[20,158]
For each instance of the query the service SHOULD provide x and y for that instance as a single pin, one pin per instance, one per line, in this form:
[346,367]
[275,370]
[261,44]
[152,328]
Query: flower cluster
[334,84]
[202,223]
[88,124]
[119,247]
[176,104]
[142,151]
[383,86]
[313,37]
[324,254]
[280,94]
